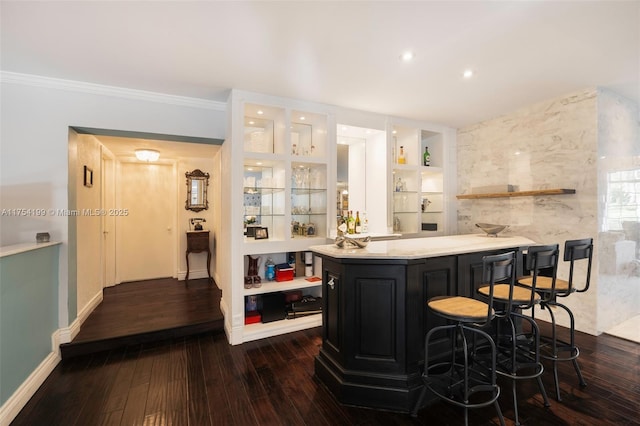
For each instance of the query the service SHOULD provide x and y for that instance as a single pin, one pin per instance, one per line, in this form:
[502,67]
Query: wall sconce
[147,155]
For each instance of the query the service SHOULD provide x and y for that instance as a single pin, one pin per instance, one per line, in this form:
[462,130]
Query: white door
[108,222]
[147,212]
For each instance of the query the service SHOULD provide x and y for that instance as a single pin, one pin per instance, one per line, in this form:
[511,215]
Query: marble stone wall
[552,144]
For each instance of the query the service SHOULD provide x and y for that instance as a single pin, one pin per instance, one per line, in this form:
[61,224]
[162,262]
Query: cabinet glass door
[308,200]
[264,200]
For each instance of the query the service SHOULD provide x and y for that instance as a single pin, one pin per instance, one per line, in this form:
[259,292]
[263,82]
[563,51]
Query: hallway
[144,311]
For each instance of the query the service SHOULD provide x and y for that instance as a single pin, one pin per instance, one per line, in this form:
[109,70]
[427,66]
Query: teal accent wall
[28,314]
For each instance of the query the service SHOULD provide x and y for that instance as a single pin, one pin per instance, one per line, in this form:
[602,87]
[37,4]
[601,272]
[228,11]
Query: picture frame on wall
[88,177]
[262,233]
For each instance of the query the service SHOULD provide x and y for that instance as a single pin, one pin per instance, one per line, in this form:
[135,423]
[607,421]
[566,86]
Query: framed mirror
[197,183]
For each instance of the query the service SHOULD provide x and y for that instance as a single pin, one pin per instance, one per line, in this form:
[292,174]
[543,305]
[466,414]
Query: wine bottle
[426,157]
[358,223]
[401,158]
[351,223]
[365,223]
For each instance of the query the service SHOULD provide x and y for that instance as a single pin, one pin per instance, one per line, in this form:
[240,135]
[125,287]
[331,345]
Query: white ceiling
[344,53]
[124,148]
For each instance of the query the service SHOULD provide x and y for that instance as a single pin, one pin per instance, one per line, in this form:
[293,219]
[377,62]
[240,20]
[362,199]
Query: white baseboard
[234,337]
[28,388]
[68,333]
[89,307]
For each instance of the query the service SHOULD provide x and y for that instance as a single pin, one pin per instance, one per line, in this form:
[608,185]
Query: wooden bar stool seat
[459,308]
[545,284]
[501,293]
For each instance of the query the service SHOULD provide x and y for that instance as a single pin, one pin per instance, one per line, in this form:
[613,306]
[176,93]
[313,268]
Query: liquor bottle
[401,159]
[358,223]
[426,157]
[351,223]
[269,270]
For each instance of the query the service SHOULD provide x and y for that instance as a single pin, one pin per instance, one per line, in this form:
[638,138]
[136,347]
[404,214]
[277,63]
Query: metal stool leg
[460,373]
[573,348]
[554,352]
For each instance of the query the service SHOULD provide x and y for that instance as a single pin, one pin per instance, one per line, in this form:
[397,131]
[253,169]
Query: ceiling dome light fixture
[467,73]
[147,155]
[407,56]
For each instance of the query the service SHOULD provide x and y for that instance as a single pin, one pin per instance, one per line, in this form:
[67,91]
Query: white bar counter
[417,248]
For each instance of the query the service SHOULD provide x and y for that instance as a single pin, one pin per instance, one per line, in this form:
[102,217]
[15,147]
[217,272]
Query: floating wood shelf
[517,194]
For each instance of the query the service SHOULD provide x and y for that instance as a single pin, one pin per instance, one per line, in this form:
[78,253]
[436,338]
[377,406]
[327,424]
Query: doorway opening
[130,223]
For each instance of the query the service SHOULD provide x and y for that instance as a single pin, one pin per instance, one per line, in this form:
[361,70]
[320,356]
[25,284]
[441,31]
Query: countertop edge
[24,247]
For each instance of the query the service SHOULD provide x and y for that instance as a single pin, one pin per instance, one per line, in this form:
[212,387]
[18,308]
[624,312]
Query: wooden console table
[197,242]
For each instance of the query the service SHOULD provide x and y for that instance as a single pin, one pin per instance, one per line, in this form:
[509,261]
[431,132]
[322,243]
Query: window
[623,199]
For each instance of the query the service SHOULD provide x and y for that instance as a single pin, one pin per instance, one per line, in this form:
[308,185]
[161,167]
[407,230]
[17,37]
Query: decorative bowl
[348,242]
[491,228]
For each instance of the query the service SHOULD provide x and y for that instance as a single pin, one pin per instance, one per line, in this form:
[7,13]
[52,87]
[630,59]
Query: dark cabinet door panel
[376,314]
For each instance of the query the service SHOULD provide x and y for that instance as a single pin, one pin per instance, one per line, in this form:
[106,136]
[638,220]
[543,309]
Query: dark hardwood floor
[146,311]
[202,380]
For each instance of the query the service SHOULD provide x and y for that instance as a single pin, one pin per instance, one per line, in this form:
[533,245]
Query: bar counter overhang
[374,311]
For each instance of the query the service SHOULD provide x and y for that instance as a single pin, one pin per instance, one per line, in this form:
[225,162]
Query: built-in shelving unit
[279,173]
[560,191]
[419,190]
[284,148]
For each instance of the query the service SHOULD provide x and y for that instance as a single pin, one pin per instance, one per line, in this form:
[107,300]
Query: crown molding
[99,89]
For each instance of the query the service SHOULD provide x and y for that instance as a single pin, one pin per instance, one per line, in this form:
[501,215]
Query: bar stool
[461,378]
[550,288]
[518,355]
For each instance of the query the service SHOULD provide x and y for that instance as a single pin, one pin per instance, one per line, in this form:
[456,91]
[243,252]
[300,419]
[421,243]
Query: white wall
[89,230]
[376,178]
[34,155]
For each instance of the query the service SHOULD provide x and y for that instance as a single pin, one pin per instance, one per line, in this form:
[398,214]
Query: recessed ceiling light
[252,122]
[302,118]
[260,112]
[467,73]
[407,56]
